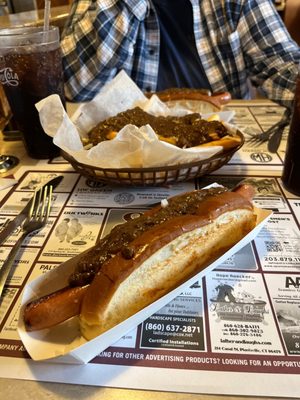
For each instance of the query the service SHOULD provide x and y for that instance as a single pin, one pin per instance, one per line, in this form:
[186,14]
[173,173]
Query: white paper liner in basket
[133,147]
[64,344]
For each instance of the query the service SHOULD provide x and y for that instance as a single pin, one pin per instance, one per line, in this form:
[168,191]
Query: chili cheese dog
[144,258]
[173,94]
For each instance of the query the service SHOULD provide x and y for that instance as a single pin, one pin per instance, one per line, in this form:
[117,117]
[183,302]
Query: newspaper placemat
[242,317]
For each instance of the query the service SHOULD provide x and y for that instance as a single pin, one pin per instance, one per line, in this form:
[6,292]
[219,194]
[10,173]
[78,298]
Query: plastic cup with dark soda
[30,70]
[291,169]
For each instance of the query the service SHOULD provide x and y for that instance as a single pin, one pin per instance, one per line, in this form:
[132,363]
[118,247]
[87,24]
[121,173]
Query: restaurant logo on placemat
[95,184]
[261,157]
[9,77]
[124,198]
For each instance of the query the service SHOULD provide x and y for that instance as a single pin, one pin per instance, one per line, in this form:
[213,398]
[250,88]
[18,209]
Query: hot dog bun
[164,256]
[142,259]
[173,94]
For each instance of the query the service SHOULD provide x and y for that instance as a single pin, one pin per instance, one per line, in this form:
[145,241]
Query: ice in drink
[29,73]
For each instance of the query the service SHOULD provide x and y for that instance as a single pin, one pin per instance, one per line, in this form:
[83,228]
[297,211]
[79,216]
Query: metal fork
[258,138]
[36,219]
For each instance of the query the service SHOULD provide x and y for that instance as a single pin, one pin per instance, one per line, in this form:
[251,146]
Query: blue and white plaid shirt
[236,40]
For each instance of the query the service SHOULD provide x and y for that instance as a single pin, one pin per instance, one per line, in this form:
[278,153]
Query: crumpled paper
[132,147]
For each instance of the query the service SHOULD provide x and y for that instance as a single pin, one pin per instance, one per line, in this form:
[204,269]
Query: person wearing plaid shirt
[236,41]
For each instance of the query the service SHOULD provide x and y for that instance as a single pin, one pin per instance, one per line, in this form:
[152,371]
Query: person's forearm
[271,56]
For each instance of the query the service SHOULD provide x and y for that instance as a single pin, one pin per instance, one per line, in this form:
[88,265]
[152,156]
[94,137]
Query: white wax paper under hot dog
[64,344]
[133,147]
